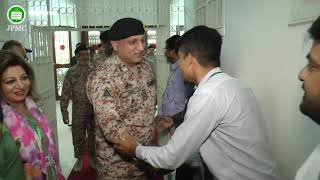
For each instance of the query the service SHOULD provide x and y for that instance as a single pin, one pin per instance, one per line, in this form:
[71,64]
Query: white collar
[209,74]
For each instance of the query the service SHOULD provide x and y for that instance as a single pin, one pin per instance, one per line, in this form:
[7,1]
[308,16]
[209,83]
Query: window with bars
[93,38]
[152,36]
[177,18]
[211,13]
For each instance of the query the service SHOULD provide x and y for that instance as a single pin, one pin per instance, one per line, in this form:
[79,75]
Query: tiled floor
[67,159]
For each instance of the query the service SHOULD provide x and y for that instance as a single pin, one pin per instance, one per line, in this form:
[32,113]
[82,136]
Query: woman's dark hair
[10,59]
[10,44]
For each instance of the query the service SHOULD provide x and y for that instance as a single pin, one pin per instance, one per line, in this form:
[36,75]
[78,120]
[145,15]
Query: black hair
[177,46]
[171,42]
[10,44]
[10,59]
[204,43]
[314,30]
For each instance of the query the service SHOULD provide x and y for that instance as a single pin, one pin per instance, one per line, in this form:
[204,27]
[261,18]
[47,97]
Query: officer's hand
[164,122]
[66,120]
[126,145]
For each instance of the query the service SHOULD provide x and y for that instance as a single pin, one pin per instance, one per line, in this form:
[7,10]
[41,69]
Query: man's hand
[126,145]
[164,122]
[65,120]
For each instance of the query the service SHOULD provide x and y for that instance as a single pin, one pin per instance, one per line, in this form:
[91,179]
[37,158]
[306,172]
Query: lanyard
[213,75]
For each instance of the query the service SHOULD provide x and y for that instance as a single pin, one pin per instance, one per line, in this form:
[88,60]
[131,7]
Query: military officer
[122,91]
[74,89]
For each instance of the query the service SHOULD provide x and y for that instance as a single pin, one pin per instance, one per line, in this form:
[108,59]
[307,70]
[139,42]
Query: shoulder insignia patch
[106,93]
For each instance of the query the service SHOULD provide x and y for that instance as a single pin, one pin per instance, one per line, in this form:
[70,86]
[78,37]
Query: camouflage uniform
[123,101]
[74,88]
[98,61]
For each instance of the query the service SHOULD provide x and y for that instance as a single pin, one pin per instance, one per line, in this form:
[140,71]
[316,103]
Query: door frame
[57,66]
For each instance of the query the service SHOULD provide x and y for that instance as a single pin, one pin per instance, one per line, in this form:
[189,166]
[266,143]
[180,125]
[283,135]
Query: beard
[310,109]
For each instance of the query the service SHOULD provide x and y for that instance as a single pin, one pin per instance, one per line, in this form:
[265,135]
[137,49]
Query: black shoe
[70,125]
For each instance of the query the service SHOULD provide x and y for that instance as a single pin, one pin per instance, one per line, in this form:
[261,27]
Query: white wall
[189,14]
[106,12]
[3,22]
[263,51]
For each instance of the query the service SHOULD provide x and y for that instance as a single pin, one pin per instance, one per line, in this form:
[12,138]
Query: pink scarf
[35,160]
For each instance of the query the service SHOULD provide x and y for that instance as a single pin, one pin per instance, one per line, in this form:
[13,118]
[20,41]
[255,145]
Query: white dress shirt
[310,170]
[226,111]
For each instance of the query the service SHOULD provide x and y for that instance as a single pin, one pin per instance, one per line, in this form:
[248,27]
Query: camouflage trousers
[83,129]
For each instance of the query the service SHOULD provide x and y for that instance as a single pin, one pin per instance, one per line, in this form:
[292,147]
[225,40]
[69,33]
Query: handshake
[126,144]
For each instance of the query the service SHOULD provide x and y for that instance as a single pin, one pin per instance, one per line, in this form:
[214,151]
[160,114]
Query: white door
[42,64]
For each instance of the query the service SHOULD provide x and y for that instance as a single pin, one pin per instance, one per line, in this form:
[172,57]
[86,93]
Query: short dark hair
[10,59]
[314,30]
[10,44]
[171,42]
[204,43]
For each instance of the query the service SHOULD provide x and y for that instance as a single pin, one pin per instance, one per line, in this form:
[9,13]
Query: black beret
[104,36]
[81,47]
[124,28]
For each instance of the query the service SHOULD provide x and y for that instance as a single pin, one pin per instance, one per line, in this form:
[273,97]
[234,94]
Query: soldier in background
[74,89]
[73,60]
[104,50]
[122,92]
[100,50]
[151,59]
[106,44]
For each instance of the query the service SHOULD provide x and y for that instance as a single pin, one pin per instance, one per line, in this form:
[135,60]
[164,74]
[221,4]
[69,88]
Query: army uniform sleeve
[66,94]
[107,108]
[89,85]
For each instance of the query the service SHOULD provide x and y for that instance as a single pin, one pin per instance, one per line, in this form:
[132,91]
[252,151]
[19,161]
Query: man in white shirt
[223,119]
[310,105]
